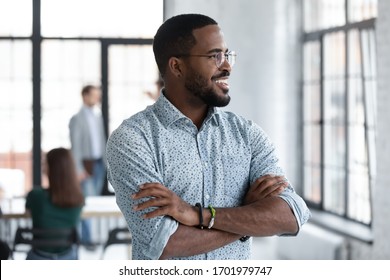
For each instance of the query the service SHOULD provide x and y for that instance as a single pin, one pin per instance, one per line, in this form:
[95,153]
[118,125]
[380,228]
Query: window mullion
[366,104]
[36,76]
[347,124]
[322,121]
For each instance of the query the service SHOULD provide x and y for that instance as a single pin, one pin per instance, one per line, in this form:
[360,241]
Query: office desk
[95,206]
[102,210]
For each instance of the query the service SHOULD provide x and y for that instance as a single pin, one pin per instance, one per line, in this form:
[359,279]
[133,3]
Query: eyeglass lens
[230,57]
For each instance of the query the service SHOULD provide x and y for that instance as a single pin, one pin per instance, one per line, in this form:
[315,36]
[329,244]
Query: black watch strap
[244,238]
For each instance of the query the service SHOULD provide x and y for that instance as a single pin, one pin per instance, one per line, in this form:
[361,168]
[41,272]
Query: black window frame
[318,207]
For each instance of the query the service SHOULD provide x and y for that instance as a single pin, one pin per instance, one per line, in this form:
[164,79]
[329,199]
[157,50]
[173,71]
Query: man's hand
[167,203]
[83,176]
[265,186]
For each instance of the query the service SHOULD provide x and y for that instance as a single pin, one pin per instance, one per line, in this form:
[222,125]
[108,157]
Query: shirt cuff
[299,208]
[167,227]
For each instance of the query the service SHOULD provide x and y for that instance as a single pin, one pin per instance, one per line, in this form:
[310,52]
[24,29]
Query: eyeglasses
[219,57]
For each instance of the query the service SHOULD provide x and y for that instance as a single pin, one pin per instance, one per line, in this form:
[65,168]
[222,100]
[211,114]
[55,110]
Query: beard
[200,87]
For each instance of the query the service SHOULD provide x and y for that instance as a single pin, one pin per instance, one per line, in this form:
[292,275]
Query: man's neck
[190,107]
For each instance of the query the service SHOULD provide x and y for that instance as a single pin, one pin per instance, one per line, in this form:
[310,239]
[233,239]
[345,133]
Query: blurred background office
[313,73]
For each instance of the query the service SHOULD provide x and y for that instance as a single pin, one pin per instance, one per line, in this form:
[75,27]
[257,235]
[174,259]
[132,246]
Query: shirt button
[207,196]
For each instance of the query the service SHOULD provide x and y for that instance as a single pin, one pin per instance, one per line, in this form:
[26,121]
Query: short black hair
[175,37]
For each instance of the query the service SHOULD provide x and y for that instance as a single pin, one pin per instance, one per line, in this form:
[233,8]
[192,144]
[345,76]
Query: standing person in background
[88,141]
[57,207]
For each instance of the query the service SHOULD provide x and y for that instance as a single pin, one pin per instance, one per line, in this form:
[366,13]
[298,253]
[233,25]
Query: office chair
[5,250]
[40,238]
[117,236]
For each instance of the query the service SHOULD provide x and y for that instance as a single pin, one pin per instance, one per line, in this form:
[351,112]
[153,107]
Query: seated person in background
[59,206]
[5,251]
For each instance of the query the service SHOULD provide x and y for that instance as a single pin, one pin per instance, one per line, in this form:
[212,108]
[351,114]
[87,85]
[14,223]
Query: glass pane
[322,14]
[369,66]
[132,73]
[334,191]
[371,152]
[312,184]
[334,101]
[358,149]
[312,144]
[312,61]
[362,115]
[101,18]
[356,101]
[66,67]
[359,10]
[334,55]
[369,53]
[359,197]
[15,60]
[312,103]
[15,117]
[354,54]
[335,146]
[15,18]
[334,78]
[370,103]
[355,81]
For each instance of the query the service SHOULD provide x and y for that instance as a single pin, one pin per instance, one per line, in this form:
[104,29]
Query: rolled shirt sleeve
[130,164]
[264,161]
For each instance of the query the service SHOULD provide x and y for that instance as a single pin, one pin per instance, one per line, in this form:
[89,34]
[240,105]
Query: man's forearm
[270,216]
[264,214]
[190,241]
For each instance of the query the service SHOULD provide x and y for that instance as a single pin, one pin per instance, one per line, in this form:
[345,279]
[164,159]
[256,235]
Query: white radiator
[312,243]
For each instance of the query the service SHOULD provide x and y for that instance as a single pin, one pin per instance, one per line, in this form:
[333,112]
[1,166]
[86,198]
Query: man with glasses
[193,181]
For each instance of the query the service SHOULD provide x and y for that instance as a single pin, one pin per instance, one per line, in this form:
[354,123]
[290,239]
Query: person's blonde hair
[64,187]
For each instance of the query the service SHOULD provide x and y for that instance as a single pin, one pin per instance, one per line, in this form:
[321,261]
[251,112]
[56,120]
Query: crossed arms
[263,213]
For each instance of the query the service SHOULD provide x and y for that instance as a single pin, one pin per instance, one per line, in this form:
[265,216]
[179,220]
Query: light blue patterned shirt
[213,165]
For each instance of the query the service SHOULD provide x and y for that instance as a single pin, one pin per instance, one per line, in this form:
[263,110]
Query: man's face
[93,97]
[203,79]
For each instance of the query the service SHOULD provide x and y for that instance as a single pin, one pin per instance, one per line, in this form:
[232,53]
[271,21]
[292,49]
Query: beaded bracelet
[200,215]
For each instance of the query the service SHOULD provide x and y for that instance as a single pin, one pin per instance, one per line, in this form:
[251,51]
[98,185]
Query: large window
[16,97]
[49,49]
[339,93]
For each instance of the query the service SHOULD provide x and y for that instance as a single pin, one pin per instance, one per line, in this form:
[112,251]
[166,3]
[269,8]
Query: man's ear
[175,66]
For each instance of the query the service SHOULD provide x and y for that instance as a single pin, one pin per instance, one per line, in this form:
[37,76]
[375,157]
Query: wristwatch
[244,238]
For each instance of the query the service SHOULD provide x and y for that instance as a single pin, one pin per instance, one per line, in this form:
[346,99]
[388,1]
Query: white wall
[264,81]
[380,249]
[381,205]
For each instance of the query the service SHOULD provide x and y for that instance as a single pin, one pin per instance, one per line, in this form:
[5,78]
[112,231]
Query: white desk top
[95,206]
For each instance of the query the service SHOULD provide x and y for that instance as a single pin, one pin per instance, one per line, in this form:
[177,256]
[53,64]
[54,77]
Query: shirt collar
[87,109]
[213,115]
[168,113]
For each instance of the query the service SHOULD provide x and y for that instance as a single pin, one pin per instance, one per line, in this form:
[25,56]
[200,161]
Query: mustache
[223,74]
